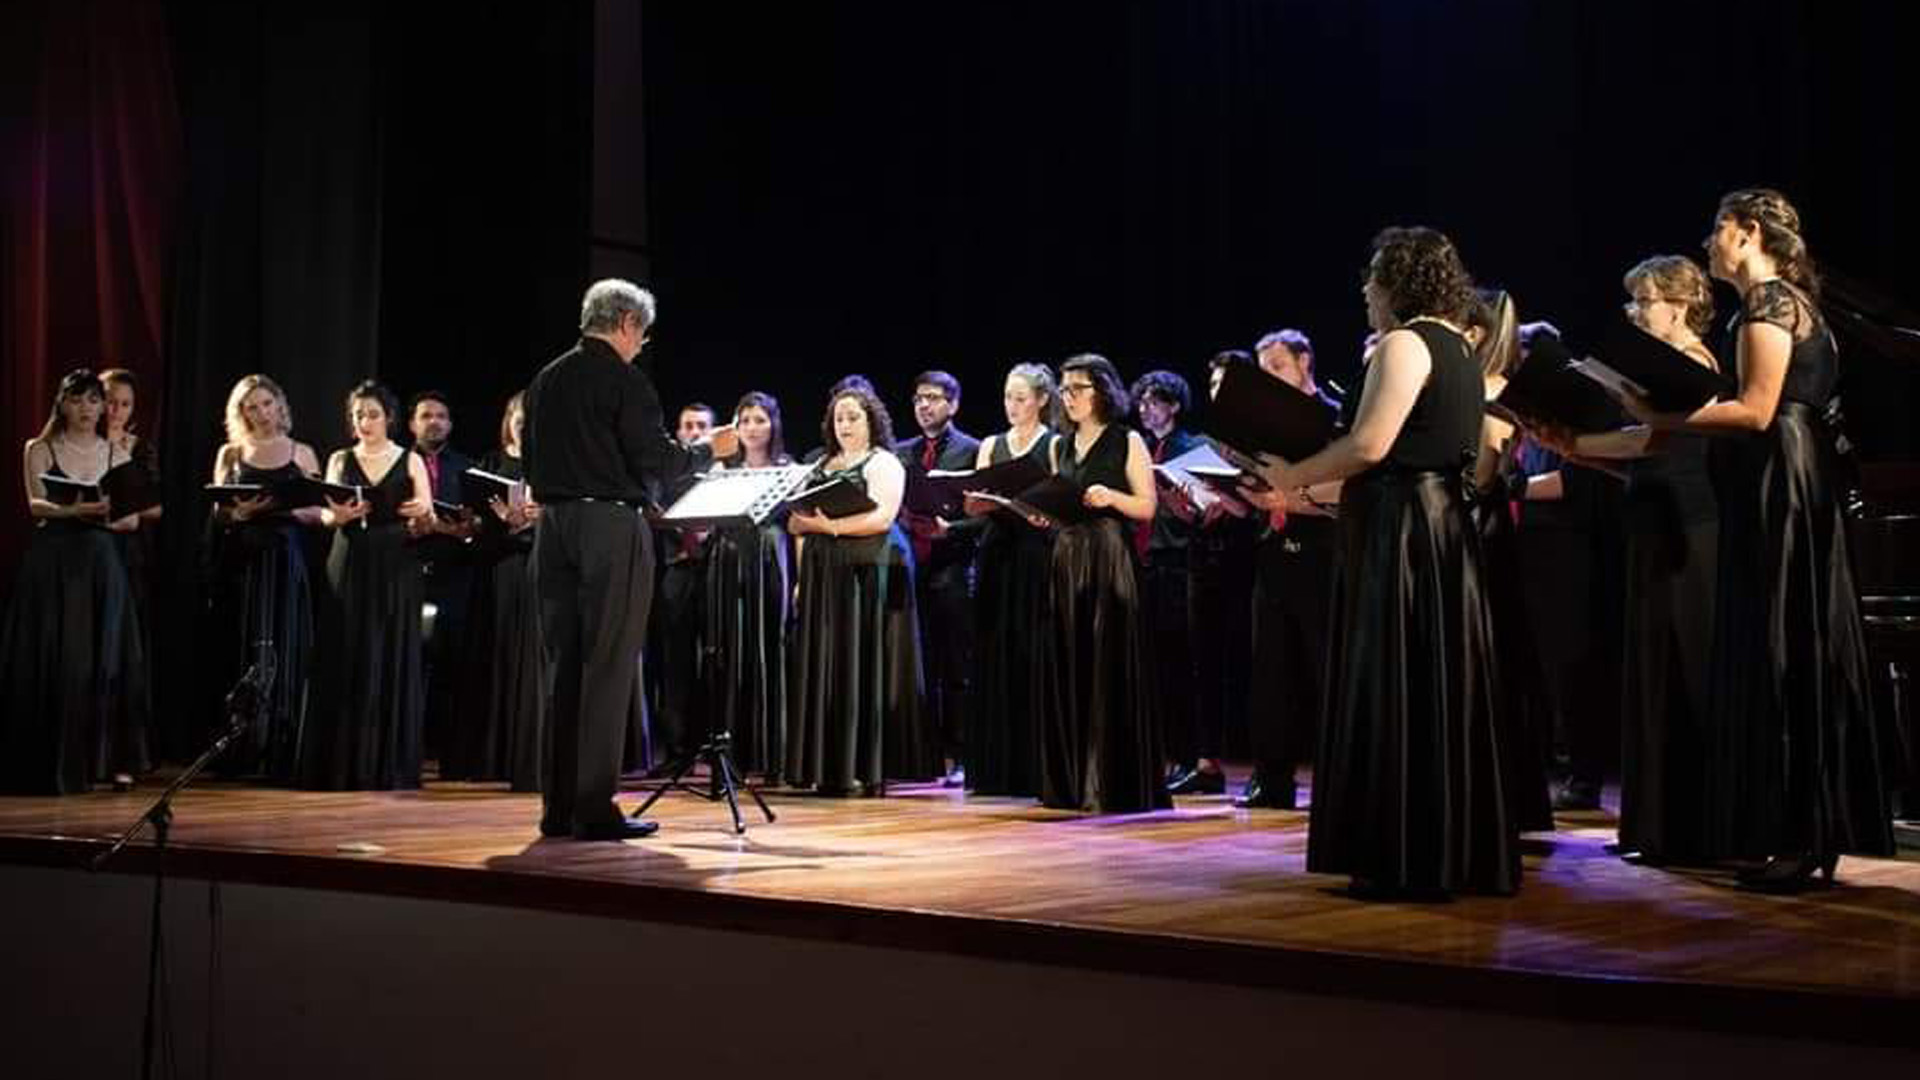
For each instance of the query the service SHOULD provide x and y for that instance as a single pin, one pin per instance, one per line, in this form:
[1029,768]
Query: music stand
[725,497]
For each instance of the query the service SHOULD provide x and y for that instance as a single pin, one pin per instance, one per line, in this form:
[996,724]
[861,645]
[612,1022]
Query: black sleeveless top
[1442,431]
[1000,447]
[1105,463]
[394,488]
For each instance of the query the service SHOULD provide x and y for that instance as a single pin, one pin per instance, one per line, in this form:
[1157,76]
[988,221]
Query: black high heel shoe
[1791,873]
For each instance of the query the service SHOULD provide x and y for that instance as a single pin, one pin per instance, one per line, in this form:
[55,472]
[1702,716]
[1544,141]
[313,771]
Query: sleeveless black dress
[749,593]
[1795,760]
[1672,527]
[498,718]
[258,591]
[857,715]
[1408,785]
[1100,741]
[365,733]
[1012,580]
[1526,706]
[72,664]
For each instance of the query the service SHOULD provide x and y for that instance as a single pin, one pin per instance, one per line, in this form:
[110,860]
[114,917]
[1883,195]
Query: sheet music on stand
[736,496]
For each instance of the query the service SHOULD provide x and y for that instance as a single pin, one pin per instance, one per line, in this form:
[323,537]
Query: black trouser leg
[592,567]
[946,639]
[1292,598]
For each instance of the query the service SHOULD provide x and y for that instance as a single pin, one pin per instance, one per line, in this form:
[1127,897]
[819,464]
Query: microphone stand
[244,703]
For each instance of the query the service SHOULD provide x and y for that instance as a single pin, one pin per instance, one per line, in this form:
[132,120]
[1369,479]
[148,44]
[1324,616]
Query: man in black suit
[441,542]
[593,443]
[943,555]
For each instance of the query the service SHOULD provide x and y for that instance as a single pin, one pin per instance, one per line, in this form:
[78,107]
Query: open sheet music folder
[1256,413]
[943,492]
[1549,387]
[293,493]
[723,497]
[1673,381]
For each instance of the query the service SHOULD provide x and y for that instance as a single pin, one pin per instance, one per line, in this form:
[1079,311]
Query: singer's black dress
[1795,758]
[1673,528]
[258,597]
[1408,785]
[365,733]
[1100,740]
[497,719]
[857,714]
[1011,585]
[72,664]
[749,597]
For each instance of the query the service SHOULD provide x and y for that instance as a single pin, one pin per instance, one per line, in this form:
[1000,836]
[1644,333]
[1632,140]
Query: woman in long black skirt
[366,732]
[1794,767]
[499,696]
[856,715]
[749,597]
[1011,581]
[1672,529]
[72,665]
[1408,786]
[1100,742]
[258,594]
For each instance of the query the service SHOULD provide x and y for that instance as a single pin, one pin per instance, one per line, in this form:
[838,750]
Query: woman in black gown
[1011,582]
[138,540]
[1525,707]
[856,715]
[72,663]
[499,697]
[366,731]
[749,587]
[1100,741]
[1408,787]
[1794,766]
[258,594]
[1672,532]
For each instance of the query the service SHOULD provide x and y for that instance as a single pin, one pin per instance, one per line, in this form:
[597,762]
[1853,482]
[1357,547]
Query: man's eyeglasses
[932,397]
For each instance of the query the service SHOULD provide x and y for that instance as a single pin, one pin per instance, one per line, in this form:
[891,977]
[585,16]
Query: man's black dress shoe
[1260,795]
[1198,782]
[624,829]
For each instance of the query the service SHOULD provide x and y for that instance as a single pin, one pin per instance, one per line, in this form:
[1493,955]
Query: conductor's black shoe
[624,829]
[1199,782]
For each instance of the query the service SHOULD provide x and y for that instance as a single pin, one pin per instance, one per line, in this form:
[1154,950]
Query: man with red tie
[943,555]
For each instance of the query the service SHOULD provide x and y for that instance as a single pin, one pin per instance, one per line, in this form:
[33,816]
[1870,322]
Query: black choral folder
[1256,413]
[1547,388]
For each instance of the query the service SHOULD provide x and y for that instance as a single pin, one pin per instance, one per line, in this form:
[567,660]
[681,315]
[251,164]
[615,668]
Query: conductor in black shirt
[593,442]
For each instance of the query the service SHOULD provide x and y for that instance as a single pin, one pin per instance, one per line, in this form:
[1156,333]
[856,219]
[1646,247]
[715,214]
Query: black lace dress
[497,721]
[748,610]
[1409,782]
[365,733]
[258,596]
[1100,740]
[73,667]
[1012,581]
[857,717]
[1794,756]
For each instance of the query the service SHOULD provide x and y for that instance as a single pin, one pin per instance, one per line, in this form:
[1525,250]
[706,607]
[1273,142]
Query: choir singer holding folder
[592,441]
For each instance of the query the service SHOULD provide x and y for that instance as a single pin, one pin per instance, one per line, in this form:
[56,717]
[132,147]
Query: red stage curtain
[93,166]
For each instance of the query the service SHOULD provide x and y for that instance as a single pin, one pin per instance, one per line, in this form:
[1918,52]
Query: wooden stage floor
[1204,891]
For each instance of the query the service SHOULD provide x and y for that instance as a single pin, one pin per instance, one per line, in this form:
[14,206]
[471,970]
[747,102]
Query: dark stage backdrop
[884,188]
[420,191]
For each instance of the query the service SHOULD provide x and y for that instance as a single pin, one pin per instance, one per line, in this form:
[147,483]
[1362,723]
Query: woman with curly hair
[856,715]
[1793,761]
[1408,784]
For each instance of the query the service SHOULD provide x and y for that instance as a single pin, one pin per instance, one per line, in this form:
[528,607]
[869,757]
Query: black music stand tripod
[723,783]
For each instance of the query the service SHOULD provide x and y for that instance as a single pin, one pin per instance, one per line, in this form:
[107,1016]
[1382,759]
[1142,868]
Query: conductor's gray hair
[610,301]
